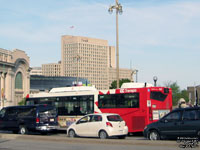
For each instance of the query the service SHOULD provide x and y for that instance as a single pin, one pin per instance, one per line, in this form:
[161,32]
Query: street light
[118,8]
[155,78]
[77,59]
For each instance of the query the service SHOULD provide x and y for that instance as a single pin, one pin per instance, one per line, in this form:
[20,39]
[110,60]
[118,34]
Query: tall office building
[87,58]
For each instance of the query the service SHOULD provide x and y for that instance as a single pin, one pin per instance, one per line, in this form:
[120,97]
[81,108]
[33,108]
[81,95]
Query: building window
[18,81]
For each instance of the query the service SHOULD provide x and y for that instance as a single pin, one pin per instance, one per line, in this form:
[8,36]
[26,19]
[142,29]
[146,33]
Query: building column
[4,89]
[10,87]
[1,88]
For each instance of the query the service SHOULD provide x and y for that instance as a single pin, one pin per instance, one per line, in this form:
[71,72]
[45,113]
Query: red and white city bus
[138,104]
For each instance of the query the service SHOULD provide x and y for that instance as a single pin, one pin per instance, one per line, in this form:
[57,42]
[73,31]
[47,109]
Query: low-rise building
[14,76]
[51,69]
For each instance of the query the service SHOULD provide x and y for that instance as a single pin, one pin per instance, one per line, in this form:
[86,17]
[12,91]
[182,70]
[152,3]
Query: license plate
[51,120]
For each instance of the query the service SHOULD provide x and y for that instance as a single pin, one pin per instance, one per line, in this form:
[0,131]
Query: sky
[157,37]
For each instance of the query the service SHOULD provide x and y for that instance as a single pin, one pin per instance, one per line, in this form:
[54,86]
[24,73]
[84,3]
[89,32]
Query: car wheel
[198,134]
[154,135]
[103,135]
[23,130]
[72,134]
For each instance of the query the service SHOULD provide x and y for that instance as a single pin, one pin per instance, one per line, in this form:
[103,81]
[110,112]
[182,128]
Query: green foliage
[22,102]
[121,81]
[177,93]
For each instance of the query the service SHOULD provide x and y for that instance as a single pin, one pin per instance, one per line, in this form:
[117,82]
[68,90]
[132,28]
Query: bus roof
[73,89]
[135,85]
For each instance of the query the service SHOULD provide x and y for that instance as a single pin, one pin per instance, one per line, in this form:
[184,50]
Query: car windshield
[114,118]
[2,112]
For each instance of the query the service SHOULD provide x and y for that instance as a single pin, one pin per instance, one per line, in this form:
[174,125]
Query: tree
[121,81]
[22,102]
[176,92]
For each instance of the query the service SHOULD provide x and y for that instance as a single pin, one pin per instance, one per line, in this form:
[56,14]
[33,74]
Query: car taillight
[109,124]
[37,120]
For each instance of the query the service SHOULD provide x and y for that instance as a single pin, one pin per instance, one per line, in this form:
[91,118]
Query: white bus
[71,102]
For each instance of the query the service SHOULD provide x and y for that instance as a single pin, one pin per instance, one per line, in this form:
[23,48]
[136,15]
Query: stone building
[14,76]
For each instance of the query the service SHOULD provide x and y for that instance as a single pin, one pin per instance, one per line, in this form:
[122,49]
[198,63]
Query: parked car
[181,122]
[102,125]
[22,119]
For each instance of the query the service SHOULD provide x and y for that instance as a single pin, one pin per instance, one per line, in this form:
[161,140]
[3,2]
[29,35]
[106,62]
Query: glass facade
[43,83]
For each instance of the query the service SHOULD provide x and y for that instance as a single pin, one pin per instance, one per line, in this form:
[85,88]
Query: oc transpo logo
[188,142]
[128,90]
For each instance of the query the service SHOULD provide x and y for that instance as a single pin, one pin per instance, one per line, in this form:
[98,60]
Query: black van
[181,122]
[21,119]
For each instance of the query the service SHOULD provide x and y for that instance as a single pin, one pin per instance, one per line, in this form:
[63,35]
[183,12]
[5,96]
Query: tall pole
[118,8]
[117,46]
[77,58]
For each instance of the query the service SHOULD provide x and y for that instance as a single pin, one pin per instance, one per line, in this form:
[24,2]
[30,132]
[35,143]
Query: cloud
[148,29]
[163,25]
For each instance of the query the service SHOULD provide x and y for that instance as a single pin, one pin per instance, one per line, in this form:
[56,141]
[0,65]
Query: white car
[102,125]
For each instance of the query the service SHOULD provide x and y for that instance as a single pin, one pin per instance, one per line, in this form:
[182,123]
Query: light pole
[77,59]
[118,8]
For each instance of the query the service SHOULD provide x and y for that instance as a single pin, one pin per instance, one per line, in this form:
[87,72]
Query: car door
[170,125]
[94,125]
[190,123]
[10,119]
[82,126]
